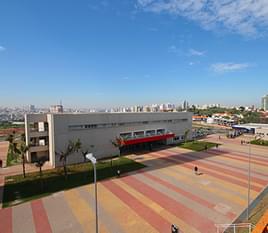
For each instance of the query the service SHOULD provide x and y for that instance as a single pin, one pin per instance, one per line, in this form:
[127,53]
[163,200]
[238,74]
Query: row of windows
[262,134]
[178,138]
[109,125]
[146,133]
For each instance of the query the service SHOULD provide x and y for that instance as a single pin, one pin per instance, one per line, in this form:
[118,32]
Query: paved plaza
[166,192]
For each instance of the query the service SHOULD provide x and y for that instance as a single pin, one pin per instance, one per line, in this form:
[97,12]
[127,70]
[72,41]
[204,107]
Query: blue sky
[91,53]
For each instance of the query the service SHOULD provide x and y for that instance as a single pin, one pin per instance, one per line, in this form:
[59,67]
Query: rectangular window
[126,135]
[160,131]
[150,132]
[139,134]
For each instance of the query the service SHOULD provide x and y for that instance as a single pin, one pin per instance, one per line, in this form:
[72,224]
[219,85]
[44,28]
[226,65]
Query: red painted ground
[192,218]
[186,194]
[155,220]
[40,217]
[6,220]
[190,165]
[217,168]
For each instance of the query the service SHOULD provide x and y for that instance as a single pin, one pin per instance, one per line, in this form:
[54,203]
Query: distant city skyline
[105,54]
[33,106]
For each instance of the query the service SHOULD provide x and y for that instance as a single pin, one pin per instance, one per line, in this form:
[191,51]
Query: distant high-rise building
[56,109]
[185,105]
[264,103]
[31,108]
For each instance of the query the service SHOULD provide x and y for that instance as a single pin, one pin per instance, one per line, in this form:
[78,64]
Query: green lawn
[18,190]
[12,159]
[197,145]
[259,142]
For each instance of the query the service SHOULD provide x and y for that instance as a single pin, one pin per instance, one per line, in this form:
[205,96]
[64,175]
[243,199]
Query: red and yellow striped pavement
[166,192]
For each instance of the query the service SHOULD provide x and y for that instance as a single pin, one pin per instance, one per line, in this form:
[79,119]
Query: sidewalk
[3,152]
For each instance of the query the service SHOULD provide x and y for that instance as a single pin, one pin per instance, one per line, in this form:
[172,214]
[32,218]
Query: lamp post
[249,177]
[93,160]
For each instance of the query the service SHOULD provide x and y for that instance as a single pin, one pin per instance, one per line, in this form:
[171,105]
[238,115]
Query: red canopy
[148,139]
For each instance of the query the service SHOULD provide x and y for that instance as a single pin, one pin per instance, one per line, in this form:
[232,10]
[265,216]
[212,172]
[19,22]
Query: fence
[235,228]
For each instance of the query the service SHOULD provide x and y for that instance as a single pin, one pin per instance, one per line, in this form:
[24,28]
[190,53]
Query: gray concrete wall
[66,127]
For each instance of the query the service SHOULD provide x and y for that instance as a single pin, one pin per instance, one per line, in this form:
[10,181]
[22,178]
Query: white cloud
[245,17]
[2,48]
[228,67]
[193,52]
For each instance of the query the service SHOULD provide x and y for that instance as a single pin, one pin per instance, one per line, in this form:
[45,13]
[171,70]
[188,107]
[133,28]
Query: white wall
[60,132]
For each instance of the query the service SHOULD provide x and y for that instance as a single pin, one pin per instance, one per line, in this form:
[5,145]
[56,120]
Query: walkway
[3,152]
[149,201]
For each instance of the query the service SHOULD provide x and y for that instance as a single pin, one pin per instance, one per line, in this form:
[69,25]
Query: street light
[249,177]
[93,160]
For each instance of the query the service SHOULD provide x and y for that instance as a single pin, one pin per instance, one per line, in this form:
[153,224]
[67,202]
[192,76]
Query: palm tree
[118,143]
[22,151]
[12,145]
[186,133]
[40,163]
[73,146]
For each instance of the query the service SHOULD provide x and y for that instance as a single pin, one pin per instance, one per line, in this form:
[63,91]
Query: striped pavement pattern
[166,192]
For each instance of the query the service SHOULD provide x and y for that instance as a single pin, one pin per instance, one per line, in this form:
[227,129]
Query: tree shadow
[160,158]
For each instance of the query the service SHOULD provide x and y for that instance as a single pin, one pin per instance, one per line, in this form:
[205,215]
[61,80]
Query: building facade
[49,134]
[56,108]
[259,130]
[262,133]
[264,103]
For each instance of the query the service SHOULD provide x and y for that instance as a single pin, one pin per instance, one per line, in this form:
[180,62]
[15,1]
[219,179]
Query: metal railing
[234,228]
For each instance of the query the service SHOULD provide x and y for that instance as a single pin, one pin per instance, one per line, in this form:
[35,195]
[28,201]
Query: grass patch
[3,138]
[198,145]
[18,190]
[259,142]
[12,159]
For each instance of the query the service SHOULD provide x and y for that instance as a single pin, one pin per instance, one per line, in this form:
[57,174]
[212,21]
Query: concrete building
[264,103]
[31,108]
[260,130]
[49,133]
[56,109]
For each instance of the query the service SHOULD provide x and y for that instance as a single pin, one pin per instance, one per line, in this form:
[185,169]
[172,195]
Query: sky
[107,53]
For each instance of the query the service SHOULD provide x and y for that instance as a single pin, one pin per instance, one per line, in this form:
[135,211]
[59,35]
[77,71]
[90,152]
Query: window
[114,124]
[150,132]
[139,134]
[126,135]
[160,131]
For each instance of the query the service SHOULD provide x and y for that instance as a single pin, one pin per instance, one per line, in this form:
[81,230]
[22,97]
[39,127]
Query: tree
[186,133]
[118,143]
[40,163]
[84,152]
[12,146]
[22,151]
[73,146]
[241,108]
